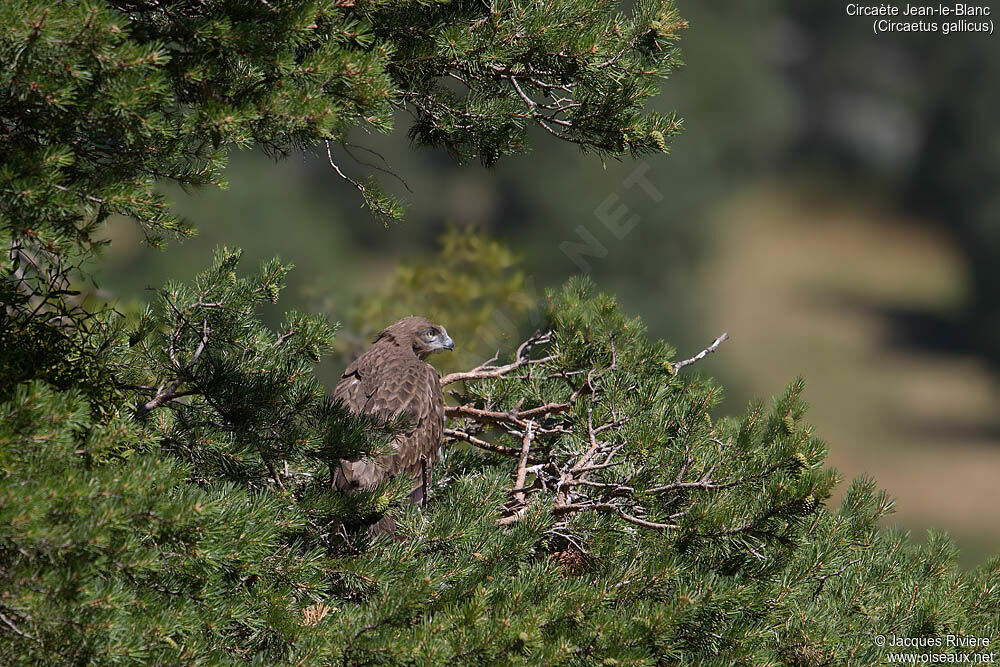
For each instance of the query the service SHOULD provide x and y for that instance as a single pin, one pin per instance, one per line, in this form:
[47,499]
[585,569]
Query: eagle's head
[421,334]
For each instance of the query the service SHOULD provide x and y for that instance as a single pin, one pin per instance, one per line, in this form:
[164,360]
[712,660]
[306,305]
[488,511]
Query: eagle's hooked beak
[448,343]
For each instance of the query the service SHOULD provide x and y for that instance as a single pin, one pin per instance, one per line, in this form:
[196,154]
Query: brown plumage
[391,378]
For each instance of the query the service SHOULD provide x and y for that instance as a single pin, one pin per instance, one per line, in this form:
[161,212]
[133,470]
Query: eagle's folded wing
[390,386]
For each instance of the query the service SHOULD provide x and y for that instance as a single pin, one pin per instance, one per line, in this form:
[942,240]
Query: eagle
[391,379]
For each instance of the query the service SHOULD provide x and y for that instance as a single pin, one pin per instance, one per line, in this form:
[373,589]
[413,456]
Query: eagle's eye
[430,333]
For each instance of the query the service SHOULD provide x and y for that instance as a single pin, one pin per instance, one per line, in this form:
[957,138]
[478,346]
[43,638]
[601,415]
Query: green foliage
[101,99]
[165,524]
[165,538]
[125,560]
[164,480]
[40,344]
[232,398]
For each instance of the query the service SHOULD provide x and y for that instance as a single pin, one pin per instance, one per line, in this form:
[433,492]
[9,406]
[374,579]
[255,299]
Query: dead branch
[458,434]
[579,481]
[340,172]
[704,353]
[522,463]
[518,418]
[521,358]
[10,624]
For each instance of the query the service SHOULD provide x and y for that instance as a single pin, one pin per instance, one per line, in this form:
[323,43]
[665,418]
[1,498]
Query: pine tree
[164,478]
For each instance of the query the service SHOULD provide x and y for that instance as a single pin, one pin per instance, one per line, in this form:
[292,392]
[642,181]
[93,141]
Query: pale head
[419,333]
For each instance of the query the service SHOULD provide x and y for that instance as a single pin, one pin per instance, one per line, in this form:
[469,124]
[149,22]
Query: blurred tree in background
[163,488]
[918,131]
[474,283]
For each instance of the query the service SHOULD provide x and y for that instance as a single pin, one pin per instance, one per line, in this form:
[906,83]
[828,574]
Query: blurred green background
[832,204]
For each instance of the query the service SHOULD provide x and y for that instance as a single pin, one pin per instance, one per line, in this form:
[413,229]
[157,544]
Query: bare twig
[704,353]
[281,339]
[521,358]
[162,398]
[274,473]
[96,200]
[493,417]
[822,580]
[458,434]
[340,172]
[529,435]
[512,518]
[10,624]
[385,170]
